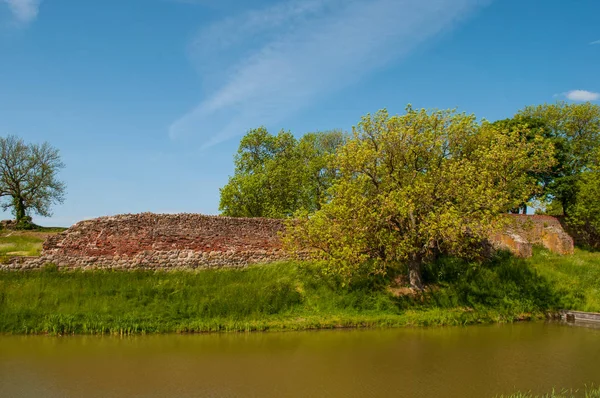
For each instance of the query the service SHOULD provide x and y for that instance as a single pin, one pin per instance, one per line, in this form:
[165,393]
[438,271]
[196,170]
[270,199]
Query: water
[446,362]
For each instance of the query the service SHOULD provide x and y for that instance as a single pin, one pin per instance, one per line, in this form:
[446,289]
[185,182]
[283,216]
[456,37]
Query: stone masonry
[162,241]
[523,232]
[192,241]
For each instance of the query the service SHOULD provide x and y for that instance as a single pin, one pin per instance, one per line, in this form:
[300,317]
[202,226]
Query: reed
[585,393]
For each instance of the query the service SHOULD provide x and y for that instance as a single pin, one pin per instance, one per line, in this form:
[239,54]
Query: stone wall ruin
[194,241]
[525,231]
[162,241]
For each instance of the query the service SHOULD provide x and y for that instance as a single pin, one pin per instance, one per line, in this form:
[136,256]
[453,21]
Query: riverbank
[292,296]
[584,393]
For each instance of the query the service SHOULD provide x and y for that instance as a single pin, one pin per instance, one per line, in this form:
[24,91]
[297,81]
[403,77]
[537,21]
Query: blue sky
[147,99]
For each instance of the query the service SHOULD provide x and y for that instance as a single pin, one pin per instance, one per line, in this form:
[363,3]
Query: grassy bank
[273,297]
[291,296]
[546,281]
[576,278]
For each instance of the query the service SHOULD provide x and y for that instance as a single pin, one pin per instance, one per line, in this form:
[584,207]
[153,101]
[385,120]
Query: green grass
[576,278]
[20,244]
[24,243]
[586,393]
[273,297]
[292,296]
[50,230]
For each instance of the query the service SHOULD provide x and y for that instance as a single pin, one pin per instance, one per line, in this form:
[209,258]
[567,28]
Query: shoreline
[539,319]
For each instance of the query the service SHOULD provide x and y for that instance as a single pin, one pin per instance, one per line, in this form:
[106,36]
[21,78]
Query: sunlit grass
[576,277]
[291,296]
[584,393]
[271,297]
[20,244]
[24,243]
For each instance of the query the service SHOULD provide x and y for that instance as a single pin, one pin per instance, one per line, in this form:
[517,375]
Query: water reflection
[445,362]
[582,324]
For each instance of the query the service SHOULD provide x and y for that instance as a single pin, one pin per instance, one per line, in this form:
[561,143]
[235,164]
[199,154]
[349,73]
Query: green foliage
[25,224]
[28,178]
[534,129]
[276,175]
[415,186]
[574,130]
[584,216]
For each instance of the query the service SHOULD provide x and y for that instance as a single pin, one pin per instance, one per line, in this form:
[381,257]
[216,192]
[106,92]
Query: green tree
[254,191]
[574,131]
[533,129]
[584,214]
[28,179]
[315,151]
[276,175]
[414,186]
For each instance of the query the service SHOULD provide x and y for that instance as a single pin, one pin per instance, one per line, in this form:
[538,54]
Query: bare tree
[28,177]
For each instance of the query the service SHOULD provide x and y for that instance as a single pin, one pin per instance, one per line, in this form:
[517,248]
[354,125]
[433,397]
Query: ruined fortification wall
[524,231]
[163,241]
[190,241]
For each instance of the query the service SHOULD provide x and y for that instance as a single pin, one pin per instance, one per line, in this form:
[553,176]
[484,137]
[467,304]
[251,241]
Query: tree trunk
[414,273]
[19,209]
[564,207]
[414,263]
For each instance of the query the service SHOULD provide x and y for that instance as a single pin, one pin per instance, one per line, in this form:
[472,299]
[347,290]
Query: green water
[445,362]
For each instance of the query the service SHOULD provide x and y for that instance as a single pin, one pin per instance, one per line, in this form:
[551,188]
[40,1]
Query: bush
[25,224]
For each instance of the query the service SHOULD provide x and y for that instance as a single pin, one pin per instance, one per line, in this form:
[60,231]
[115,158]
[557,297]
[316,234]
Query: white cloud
[582,95]
[266,64]
[23,10]
[595,42]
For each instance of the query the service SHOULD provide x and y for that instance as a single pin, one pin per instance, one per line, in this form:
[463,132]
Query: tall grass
[271,297]
[576,278]
[293,296]
[505,283]
[586,393]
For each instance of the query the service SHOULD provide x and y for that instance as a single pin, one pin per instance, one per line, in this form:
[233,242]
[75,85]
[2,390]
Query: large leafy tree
[533,129]
[315,151]
[29,177]
[414,186]
[574,131]
[584,214]
[277,175]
